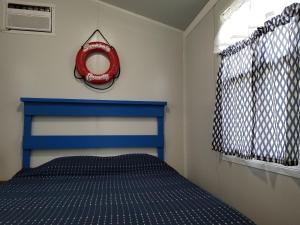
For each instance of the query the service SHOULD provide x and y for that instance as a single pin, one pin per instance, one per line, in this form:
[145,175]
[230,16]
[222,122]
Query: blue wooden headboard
[86,108]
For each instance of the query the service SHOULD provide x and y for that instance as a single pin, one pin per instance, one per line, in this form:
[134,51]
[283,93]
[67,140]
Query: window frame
[290,171]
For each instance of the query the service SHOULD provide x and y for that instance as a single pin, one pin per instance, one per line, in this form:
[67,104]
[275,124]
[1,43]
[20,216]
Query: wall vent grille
[20,16]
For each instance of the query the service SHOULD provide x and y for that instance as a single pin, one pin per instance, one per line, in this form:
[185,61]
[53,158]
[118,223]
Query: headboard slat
[93,141]
[78,109]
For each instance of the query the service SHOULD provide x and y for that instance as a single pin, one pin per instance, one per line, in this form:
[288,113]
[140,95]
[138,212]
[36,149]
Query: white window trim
[291,171]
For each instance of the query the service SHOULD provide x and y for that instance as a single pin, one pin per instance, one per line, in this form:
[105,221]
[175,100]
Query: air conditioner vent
[28,17]
[29,7]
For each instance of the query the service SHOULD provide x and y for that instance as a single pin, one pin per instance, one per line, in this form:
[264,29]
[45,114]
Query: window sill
[291,171]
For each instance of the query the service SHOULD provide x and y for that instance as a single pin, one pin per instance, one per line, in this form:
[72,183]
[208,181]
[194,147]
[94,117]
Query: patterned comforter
[128,189]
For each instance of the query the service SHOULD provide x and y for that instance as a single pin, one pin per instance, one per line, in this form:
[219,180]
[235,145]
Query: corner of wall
[209,6]
[184,105]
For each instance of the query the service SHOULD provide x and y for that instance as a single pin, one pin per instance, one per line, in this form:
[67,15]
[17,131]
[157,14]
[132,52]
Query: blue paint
[96,108]
[160,134]
[26,135]
[93,141]
[78,109]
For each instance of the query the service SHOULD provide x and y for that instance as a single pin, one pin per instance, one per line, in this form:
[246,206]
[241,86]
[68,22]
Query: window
[258,91]
[243,17]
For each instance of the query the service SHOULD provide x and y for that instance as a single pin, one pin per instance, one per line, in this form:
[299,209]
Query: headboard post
[90,108]
[26,134]
[160,133]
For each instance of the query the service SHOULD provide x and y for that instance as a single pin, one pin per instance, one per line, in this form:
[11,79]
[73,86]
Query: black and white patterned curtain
[258,93]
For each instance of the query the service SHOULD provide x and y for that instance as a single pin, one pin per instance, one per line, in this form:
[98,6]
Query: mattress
[127,189]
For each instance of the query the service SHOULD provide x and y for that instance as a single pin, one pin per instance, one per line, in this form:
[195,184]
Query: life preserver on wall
[97,47]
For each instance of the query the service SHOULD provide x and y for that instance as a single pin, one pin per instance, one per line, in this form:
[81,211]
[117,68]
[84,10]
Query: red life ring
[105,49]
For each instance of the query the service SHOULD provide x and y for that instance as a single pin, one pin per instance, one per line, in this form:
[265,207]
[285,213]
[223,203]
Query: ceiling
[175,13]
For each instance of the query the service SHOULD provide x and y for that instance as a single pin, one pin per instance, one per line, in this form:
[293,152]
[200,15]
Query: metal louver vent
[20,16]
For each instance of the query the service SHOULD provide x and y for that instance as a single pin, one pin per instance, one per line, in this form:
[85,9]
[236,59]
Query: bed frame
[90,108]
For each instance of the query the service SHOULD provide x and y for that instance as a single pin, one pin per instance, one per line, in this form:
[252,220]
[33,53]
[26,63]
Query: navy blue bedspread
[127,189]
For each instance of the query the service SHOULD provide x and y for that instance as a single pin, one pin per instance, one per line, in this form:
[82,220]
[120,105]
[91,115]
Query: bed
[124,189]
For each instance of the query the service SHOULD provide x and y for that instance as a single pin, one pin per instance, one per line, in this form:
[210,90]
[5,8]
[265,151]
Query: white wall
[267,198]
[42,66]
